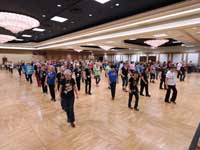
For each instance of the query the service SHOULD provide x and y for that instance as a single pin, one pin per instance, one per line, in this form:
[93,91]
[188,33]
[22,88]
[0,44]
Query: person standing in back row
[144,82]
[133,90]
[171,85]
[88,80]
[124,76]
[112,77]
[51,79]
[78,75]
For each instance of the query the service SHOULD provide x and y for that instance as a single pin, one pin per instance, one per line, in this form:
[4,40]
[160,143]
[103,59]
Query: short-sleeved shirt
[144,75]
[125,71]
[67,88]
[78,73]
[43,75]
[133,85]
[97,71]
[171,76]
[112,76]
[51,77]
[88,73]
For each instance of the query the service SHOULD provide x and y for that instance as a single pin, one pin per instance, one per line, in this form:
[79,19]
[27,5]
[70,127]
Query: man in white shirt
[171,85]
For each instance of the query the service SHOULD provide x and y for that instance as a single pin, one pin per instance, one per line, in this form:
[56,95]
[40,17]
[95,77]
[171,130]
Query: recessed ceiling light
[59,5]
[160,35]
[90,15]
[117,4]
[59,19]
[39,29]
[175,42]
[26,35]
[19,39]
[72,22]
[102,1]
[43,16]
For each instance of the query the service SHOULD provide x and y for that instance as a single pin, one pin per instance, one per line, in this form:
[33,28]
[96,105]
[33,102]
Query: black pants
[113,89]
[88,86]
[78,82]
[178,74]
[20,72]
[182,76]
[58,85]
[11,70]
[44,87]
[68,106]
[98,79]
[146,86]
[26,76]
[52,91]
[30,78]
[162,81]
[124,81]
[152,77]
[131,97]
[174,94]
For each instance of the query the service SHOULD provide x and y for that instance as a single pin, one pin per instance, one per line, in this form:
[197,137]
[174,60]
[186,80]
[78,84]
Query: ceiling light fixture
[90,15]
[156,43]
[19,40]
[59,5]
[160,35]
[130,32]
[78,50]
[59,19]
[102,1]
[117,4]
[26,35]
[106,48]
[6,38]
[16,22]
[133,24]
[39,29]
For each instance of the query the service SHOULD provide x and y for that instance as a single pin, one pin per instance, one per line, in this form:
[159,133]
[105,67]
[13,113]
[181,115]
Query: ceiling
[110,24]
[81,14]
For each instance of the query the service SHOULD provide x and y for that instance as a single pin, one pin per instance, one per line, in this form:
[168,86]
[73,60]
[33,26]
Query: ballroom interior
[103,30]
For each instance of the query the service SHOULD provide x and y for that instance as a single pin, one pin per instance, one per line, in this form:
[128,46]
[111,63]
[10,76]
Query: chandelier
[156,43]
[6,38]
[106,48]
[16,22]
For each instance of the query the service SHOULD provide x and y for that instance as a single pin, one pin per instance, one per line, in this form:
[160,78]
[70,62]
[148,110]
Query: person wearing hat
[68,89]
[171,85]
[133,90]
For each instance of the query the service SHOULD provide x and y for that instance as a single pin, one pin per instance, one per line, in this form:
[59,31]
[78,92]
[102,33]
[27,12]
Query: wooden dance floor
[30,121]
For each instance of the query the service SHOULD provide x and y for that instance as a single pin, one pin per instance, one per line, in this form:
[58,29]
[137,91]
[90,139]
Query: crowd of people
[66,77]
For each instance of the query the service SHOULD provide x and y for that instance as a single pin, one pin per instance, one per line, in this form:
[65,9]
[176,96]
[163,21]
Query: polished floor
[30,121]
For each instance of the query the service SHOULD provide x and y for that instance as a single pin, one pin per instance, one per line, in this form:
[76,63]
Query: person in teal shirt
[29,72]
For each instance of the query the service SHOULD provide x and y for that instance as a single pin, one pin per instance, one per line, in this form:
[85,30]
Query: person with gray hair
[67,91]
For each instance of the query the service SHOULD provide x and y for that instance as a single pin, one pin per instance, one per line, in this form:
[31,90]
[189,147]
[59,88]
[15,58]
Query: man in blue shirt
[51,79]
[112,74]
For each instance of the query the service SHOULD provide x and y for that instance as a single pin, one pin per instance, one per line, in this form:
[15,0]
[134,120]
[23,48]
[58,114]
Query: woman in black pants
[42,75]
[51,78]
[78,75]
[124,76]
[88,80]
[67,96]
[133,90]
[144,82]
